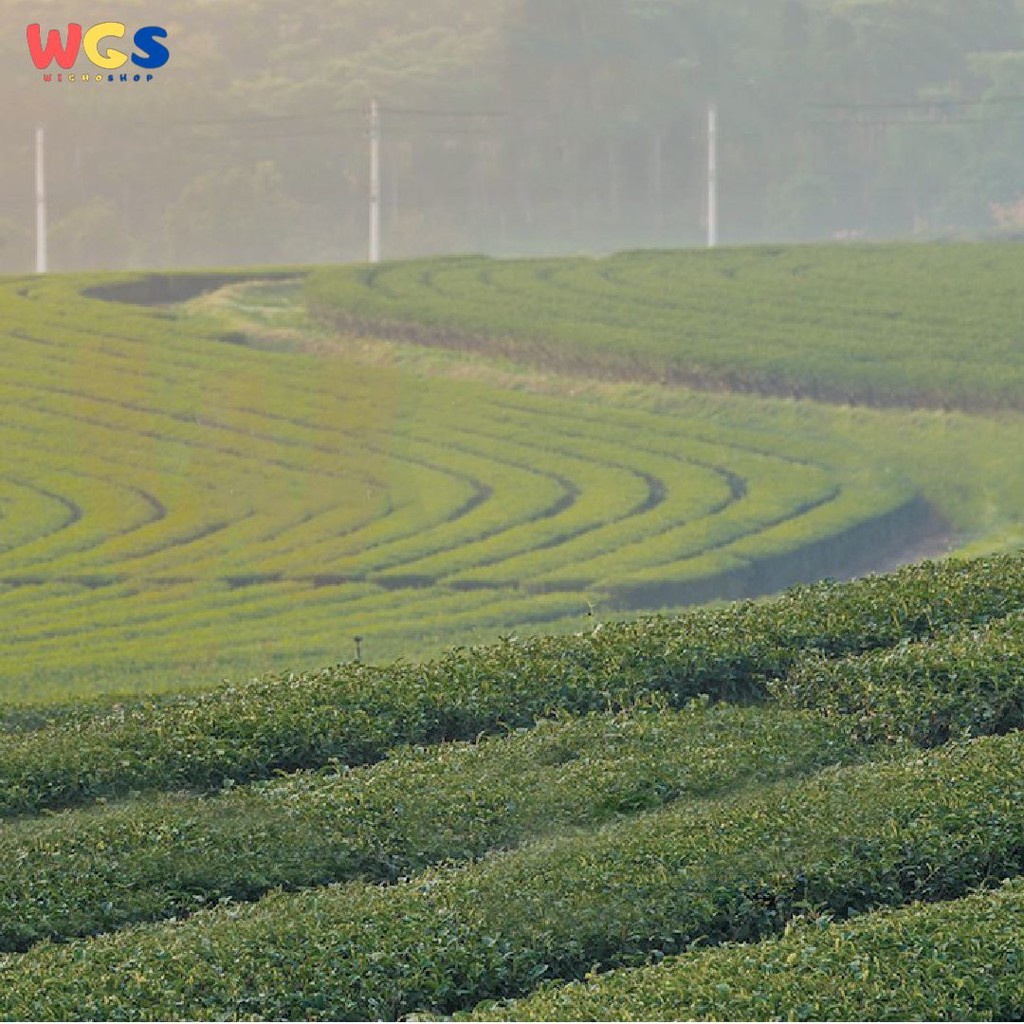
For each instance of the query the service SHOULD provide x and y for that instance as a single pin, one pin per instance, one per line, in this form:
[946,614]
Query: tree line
[518,126]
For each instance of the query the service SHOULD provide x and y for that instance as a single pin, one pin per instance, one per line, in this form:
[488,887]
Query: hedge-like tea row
[870,325]
[732,870]
[330,503]
[85,872]
[356,713]
[966,683]
[959,960]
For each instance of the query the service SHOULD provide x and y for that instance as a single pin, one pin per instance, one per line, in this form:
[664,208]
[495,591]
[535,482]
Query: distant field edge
[158,289]
[881,326]
[912,530]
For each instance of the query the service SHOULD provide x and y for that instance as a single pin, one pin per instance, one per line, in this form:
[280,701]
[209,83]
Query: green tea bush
[84,872]
[959,960]
[878,325]
[738,869]
[967,683]
[356,713]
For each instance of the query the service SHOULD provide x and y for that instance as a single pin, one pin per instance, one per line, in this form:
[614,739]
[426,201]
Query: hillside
[163,480]
[174,468]
[422,643]
[921,326]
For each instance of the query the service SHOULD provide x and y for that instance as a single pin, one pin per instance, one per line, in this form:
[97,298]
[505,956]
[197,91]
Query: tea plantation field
[805,808]
[183,501]
[544,789]
[933,326]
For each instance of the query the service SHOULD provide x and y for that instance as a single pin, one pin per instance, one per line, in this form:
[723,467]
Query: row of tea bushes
[356,713]
[89,871]
[959,960]
[847,840]
[965,683]
[881,325]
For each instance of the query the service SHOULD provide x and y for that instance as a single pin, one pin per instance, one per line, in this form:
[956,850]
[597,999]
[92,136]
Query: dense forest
[515,126]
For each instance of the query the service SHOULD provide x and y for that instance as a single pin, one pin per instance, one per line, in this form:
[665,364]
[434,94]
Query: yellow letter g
[110,58]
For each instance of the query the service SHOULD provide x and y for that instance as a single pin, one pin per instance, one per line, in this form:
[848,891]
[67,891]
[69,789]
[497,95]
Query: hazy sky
[510,126]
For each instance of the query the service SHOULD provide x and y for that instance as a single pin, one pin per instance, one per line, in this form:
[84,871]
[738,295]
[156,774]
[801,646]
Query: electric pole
[40,204]
[374,182]
[712,175]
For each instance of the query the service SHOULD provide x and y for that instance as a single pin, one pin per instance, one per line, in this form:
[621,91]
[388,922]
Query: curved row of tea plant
[356,713]
[846,840]
[362,551]
[967,683]
[958,960]
[86,872]
[888,325]
[159,485]
[761,494]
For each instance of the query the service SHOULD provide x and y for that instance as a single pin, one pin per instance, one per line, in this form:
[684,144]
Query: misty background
[515,127]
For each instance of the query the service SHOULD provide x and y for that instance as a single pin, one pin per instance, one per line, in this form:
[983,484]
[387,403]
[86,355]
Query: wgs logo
[149,52]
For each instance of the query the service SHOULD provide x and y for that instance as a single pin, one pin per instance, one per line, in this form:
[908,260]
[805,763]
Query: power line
[339,112]
[361,130]
[422,112]
[915,112]
[268,118]
[913,104]
[923,121]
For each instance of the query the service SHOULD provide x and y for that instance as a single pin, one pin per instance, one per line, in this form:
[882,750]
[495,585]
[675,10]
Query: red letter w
[65,55]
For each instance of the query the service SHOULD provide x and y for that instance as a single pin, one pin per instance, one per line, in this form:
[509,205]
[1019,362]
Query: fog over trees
[513,127]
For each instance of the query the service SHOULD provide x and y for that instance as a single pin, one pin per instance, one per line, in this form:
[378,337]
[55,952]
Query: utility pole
[657,180]
[374,182]
[712,175]
[40,204]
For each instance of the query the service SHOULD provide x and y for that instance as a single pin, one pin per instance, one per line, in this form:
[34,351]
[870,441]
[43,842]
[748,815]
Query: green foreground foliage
[613,840]
[87,872]
[847,840]
[967,683]
[952,961]
[356,713]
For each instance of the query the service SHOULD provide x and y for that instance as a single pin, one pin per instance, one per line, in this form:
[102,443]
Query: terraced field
[932,326]
[804,807]
[179,508]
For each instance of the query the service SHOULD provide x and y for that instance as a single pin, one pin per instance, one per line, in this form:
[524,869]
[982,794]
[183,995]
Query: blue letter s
[156,54]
